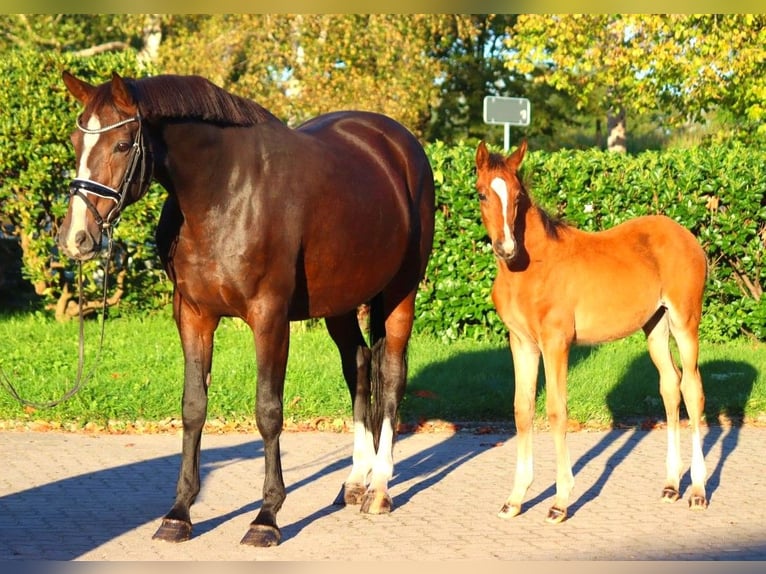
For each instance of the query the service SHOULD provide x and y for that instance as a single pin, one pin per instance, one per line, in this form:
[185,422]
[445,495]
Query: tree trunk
[152,38]
[617,132]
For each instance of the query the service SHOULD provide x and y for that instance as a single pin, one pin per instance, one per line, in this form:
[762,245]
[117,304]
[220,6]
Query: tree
[682,67]
[298,66]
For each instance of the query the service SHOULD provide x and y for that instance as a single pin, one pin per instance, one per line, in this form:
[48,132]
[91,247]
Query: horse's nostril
[80,238]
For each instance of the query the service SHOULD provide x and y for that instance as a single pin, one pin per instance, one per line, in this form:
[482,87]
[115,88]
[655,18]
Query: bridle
[82,188]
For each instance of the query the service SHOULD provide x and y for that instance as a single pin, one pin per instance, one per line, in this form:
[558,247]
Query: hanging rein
[138,163]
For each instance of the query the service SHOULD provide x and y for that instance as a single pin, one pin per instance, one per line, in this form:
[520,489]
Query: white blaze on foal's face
[500,188]
[78,221]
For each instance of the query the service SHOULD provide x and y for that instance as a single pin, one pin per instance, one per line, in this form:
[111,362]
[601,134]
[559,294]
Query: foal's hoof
[376,502]
[509,510]
[697,502]
[173,530]
[262,535]
[670,494]
[556,515]
[351,493]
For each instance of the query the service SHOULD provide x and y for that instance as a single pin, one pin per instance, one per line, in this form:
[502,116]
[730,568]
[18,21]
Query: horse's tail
[377,325]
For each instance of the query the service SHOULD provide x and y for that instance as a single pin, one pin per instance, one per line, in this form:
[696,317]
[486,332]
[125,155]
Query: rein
[80,380]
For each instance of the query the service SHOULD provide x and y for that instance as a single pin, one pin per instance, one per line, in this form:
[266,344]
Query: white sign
[501,110]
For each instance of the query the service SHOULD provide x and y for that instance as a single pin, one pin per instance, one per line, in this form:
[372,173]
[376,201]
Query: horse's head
[114,166]
[500,188]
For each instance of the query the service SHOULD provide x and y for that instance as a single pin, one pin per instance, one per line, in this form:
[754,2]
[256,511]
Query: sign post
[508,112]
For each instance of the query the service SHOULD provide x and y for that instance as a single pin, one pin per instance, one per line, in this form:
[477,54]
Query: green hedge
[717,192]
[36,165]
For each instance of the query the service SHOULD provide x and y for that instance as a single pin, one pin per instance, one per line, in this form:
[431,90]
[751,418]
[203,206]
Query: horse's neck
[534,234]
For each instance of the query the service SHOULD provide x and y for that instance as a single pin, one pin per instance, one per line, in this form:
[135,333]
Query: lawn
[137,378]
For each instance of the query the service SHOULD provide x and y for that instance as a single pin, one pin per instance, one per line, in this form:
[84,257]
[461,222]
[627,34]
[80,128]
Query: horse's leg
[686,336]
[658,342]
[196,332]
[271,330]
[526,361]
[556,361]
[389,379]
[355,362]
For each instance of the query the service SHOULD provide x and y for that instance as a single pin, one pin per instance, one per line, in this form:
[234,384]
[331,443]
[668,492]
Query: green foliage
[35,168]
[718,193]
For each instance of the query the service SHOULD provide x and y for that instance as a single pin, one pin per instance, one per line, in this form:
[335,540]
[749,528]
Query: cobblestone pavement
[100,497]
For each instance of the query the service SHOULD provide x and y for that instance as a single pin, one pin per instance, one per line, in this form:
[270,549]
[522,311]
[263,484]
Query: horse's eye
[482,196]
[122,147]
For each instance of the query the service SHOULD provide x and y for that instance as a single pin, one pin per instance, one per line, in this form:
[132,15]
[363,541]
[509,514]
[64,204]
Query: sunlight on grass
[139,376]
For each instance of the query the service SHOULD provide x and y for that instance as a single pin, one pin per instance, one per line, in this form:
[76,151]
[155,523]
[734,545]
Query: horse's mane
[551,224]
[194,97]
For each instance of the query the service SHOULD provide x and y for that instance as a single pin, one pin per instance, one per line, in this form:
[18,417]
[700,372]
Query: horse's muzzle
[81,246]
[505,250]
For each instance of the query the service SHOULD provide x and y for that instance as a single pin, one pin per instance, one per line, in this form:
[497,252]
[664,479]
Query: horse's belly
[609,315]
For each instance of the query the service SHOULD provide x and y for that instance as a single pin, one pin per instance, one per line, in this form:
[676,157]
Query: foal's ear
[121,95]
[514,160]
[482,155]
[80,89]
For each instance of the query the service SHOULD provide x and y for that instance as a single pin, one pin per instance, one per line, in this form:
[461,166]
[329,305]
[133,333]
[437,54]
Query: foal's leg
[686,337]
[196,332]
[658,342]
[392,371]
[271,330]
[526,361]
[556,361]
[355,362]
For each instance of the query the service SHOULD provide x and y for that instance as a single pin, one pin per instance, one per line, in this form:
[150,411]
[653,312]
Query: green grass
[138,377]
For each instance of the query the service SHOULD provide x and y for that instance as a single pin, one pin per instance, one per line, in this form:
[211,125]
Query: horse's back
[667,244]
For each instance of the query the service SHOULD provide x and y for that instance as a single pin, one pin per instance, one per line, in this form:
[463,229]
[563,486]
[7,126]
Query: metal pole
[506,137]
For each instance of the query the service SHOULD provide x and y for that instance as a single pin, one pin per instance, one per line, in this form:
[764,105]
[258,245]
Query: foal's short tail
[375,412]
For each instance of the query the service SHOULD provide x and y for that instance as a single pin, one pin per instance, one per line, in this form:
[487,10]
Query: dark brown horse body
[268,224]
[558,286]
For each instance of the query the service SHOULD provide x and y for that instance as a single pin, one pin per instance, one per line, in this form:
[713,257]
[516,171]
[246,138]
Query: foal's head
[500,188]
[113,166]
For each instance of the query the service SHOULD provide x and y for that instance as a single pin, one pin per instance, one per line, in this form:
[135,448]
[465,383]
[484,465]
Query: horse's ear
[514,160]
[482,155]
[121,95]
[80,89]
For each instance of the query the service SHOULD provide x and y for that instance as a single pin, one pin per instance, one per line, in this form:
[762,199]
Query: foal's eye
[122,147]
[482,196]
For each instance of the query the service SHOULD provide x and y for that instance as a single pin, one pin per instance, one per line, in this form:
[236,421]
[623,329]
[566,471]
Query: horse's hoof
[697,502]
[351,494]
[262,536]
[509,510]
[376,502]
[556,515]
[670,494]
[173,530]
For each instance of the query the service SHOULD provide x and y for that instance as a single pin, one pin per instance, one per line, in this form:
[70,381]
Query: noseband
[85,187]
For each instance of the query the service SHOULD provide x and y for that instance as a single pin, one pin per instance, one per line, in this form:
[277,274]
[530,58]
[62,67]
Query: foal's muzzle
[505,250]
